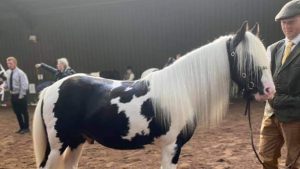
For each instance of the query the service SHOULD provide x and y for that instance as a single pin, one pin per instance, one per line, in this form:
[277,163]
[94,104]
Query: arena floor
[224,147]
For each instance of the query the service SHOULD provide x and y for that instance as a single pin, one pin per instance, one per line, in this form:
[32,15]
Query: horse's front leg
[170,156]
[171,152]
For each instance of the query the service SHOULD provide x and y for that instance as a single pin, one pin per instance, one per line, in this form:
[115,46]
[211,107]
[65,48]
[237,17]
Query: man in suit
[17,83]
[281,122]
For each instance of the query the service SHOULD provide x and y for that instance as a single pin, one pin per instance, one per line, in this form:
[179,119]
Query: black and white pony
[163,108]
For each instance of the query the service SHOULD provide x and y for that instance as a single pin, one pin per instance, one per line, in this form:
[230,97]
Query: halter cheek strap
[249,86]
[231,56]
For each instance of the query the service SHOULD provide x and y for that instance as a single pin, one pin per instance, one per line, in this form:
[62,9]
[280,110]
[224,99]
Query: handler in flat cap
[281,122]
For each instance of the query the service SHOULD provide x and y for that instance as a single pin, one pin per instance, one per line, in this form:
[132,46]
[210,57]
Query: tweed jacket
[286,103]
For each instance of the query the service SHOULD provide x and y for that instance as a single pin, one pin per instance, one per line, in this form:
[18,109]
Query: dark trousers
[20,108]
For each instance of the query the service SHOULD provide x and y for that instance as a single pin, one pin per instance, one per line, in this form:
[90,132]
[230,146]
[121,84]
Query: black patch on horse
[112,126]
[156,127]
[69,110]
[129,89]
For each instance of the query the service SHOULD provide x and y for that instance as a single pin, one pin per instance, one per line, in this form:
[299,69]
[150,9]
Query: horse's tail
[40,141]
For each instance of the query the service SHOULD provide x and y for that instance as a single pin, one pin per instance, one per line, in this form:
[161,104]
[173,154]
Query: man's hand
[37,65]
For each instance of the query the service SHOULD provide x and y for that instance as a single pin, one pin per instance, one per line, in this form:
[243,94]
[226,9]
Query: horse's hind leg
[53,161]
[53,158]
[71,157]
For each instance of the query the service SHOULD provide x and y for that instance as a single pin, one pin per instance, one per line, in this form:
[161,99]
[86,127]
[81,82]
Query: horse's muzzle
[269,92]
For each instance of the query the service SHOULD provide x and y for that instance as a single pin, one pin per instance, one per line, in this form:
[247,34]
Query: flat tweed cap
[289,10]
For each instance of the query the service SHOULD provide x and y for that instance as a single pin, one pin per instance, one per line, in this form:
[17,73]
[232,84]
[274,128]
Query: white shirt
[20,82]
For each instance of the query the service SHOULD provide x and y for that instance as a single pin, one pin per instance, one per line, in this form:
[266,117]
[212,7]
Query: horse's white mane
[196,87]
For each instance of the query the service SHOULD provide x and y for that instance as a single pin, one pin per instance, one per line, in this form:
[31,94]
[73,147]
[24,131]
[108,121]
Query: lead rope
[248,112]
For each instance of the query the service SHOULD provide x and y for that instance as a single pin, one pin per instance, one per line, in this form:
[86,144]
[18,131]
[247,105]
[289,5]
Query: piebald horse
[163,108]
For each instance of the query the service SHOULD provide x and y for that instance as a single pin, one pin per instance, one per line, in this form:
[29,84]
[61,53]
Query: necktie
[287,51]
[11,81]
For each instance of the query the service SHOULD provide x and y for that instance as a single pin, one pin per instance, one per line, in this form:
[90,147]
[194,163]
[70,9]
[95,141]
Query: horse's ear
[255,29]
[240,34]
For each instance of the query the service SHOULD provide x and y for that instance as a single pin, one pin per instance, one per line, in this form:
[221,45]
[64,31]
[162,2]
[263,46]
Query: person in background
[129,75]
[17,83]
[178,56]
[62,68]
[281,122]
[170,61]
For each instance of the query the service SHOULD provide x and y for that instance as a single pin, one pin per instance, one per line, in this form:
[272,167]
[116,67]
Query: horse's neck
[199,68]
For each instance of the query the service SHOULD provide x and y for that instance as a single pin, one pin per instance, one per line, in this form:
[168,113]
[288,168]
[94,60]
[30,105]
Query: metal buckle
[232,54]
[244,75]
[251,85]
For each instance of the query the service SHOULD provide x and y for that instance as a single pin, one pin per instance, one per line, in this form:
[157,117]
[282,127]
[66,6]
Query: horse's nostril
[267,89]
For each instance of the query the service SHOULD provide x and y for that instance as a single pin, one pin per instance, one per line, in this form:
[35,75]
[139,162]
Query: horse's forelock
[251,53]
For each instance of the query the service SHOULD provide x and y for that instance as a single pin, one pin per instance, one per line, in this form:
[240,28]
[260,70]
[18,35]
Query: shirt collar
[295,41]
[13,70]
